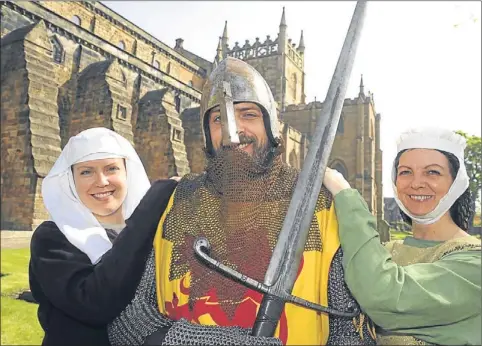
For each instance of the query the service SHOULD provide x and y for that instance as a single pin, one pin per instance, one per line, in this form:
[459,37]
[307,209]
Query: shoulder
[46,231]
[48,240]
[463,247]
[160,187]
[157,197]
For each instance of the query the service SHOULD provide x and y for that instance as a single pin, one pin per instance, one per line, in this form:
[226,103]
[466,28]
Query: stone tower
[280,62]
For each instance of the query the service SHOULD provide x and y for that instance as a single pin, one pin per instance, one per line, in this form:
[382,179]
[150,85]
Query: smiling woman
[425,288]
[87,259]
[102,187]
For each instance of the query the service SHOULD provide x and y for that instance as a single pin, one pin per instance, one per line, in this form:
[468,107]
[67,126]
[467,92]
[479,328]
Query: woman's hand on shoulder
[176,178]
[334,181]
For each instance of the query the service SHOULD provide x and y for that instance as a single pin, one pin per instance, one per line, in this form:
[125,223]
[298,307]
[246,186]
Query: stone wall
[193,139]
[159,136]
[30,124]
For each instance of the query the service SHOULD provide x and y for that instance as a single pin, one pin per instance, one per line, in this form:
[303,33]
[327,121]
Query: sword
[284,264]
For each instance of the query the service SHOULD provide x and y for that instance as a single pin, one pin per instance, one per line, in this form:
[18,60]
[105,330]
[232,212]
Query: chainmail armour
[241,216]
[239,206]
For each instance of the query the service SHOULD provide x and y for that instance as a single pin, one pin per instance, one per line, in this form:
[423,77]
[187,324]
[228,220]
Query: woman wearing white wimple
[427,288]
[87,260]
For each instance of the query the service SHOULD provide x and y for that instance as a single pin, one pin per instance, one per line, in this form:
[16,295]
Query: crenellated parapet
[267,48]
[256,50]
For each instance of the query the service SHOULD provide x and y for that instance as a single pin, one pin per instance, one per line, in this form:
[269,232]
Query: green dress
[415,291]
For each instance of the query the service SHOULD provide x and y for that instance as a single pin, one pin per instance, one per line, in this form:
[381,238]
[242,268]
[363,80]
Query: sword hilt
[269,315]
[272,294]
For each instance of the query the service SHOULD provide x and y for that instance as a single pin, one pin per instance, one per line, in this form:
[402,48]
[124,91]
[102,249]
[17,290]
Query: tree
[473,164]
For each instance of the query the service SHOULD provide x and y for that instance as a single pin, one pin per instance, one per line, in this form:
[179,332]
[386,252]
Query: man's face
[251,130]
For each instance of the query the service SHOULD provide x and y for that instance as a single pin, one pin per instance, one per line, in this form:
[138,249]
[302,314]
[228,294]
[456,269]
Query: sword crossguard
[202,248]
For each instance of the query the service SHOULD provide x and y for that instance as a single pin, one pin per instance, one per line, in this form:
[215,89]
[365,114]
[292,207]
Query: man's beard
[231,171]
[261,156]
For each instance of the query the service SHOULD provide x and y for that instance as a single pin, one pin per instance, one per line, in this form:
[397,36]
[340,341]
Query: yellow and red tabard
[298,326]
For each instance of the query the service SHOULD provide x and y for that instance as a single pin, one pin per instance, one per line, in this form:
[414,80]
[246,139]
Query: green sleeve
[407,298]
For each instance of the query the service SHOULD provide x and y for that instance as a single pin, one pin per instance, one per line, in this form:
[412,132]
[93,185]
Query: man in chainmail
[238,204]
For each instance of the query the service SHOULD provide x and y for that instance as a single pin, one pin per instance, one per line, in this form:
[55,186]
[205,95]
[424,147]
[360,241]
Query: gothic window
[121,112]
[294,80]
[176,135]
[76,20]
[124,79]
[121,45]
[341,125]
[157,65]
[134,47]
[177,101]
[92,25]
[57,50]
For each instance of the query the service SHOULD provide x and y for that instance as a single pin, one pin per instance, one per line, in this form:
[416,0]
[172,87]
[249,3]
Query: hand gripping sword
[284,264]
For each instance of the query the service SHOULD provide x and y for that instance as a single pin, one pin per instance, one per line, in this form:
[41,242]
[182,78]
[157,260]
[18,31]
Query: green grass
[15,269]
[19,324]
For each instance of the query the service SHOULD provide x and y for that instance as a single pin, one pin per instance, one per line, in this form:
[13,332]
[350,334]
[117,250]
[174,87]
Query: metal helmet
[234,81]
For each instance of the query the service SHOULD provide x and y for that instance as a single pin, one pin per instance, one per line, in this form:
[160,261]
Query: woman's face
[102,187]
[423,178]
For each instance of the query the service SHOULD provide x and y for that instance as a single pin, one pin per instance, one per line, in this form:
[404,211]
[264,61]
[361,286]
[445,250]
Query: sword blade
[285,261]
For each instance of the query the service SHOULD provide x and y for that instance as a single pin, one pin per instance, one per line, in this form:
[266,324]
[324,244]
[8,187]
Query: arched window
[294,80]
[57,50]
[341,125]
[124,79]
[121,45]
[134,47]
[157,65]
[76,20]
[177,101]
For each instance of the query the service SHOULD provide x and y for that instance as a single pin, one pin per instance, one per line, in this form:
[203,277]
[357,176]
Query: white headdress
[60,197]
[441,139]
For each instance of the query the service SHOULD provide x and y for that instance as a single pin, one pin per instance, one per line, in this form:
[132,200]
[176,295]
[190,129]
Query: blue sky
[422,60]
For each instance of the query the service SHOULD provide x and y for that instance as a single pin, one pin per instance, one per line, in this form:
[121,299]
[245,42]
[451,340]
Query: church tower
[279,61]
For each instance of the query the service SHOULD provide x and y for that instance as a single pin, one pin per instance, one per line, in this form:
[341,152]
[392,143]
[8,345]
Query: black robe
[77,300]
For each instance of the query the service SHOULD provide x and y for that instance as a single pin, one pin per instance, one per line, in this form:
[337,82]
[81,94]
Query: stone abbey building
[68,66]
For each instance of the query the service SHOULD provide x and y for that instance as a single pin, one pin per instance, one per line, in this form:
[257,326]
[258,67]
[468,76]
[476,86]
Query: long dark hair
[462,210]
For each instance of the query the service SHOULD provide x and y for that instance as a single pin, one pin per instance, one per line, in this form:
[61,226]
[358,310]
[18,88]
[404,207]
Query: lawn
[19,324]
